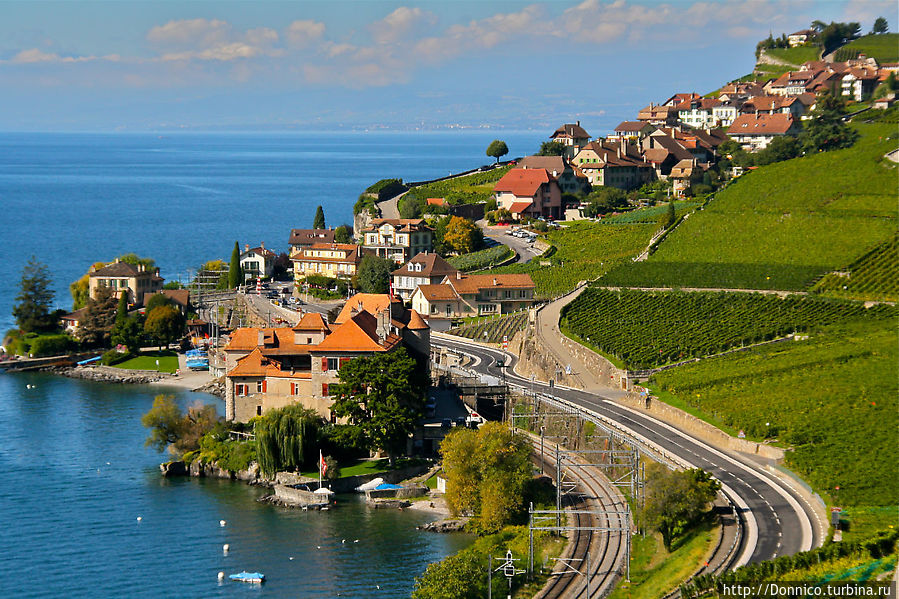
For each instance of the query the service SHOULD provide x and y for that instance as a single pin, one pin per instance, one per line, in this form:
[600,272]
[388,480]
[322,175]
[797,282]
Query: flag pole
[320,460]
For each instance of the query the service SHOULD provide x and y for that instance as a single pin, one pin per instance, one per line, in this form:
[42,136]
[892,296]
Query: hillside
[782,225]
[884,47]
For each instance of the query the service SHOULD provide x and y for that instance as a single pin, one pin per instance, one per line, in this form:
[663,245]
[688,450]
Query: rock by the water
[107,374]
[176,468]
[388,503]
[444,525]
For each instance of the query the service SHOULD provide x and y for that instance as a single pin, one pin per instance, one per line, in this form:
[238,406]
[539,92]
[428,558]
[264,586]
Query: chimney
[555,174]
[494,281]
[260,338]
[246,247]
[157,272]
[116,260]
[578,123]
[458,275]
[262,244]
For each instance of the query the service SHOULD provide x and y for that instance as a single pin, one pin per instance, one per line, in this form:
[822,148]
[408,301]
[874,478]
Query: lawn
[795,56]
[168,362]
[883,47]
[834,399]
[783,225]
[361,467]
[583,251]
[654,571]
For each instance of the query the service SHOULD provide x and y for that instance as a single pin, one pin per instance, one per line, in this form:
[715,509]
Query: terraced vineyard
[648,215]
[495,328]
[468,189]
[645,329]
[873,277]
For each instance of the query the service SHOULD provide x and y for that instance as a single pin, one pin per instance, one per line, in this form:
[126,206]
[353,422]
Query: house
[858,83]
[656,114]
[725,113]
[678,99]
[663,151]
[71,321]
[756,131]
[682,176]
[272,368]
[698,112]
[424,269]
[798,38]
[614,164]
[472,295]
[135,280]
[180,298]
[398,238]
[792,105]
[258,262]
[572,136]
[632,131]
[303,238]
[334,260]
[530,192]
[570,179]
[792,83]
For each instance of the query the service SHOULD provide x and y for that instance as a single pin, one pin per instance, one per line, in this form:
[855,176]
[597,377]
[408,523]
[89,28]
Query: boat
[257,577]
[197,363]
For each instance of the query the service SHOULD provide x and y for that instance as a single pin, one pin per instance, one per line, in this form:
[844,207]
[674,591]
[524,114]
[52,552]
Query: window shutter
[324,389]
[324,364]
[344,361]
[264,386]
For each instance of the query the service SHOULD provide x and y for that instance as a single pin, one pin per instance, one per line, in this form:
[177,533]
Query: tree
[129,332]
[32,312]
[826,129]
[164,324]
[463,236]
[410,207]
[781,148]
[551,148]
[675,500]
[497,149]
[384,395]
[667,219]
[156,300]
[99,317]
[319,221]
[235,273]
[283,268]
[603,200]
[173,429]
[373,274]
[487,472]
[135,260]
[880,25]
[343,234]
[286,438]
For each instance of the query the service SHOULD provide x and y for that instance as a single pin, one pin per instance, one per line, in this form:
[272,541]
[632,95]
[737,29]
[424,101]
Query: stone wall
[299,497]
[405,492]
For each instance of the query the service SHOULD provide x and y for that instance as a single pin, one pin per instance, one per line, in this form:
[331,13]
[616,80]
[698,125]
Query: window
[261,386]
[449,311]
[333,363]
[294,388]
[259,410]
[241,390]
[308,340]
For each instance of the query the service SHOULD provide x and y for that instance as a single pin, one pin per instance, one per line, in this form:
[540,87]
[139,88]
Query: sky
[130,65]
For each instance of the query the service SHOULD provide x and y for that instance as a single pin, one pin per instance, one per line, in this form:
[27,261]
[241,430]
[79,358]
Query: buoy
[356,541]
[290,558]
[222,523]
[318,546]
[343,541]
[138,518]
[221,576]
[225,548]
[107,463]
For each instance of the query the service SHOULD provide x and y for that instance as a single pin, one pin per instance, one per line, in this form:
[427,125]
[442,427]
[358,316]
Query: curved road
[778,520]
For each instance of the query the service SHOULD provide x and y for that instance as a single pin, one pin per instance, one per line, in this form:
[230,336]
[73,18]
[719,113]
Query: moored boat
[248,577]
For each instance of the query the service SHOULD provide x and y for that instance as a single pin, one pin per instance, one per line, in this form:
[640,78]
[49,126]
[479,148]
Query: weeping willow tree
[286,438]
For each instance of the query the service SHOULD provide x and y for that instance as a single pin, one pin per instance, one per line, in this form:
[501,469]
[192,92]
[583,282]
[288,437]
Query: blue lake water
[76,473]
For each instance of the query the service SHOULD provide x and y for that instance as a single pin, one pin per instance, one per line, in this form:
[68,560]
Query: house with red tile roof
[398,238]
[755,131]
[572,136]
[463,295]
[697,112]
[426,268]
[632,131]
[614,164]
[136,280]
[529,192]
[268,368]
[257,262]
[335,260]
[570,179]
[303,238]
[656,114]
[858,83]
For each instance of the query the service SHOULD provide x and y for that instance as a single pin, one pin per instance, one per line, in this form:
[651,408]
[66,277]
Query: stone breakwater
[107,374]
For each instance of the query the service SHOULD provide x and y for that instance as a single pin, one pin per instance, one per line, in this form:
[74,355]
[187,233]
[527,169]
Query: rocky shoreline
[108,374]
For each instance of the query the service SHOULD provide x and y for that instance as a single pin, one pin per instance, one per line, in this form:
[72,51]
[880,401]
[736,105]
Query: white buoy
[221,576]
[318,546]
[222,523]
[107,463]
[139,518]
[225,548]
[290,558]
[356,541]
[343,541]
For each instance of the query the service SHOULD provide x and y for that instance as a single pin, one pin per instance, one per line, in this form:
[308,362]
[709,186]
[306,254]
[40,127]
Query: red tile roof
[519,207]
[572,130]
[311,321]
[761,124]
[438,292]
[522,182]
[432,265]
[373,303]
[473,283]
[358,334]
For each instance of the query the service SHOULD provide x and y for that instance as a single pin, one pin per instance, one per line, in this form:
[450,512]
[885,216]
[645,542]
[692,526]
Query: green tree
[32,310]
[235,272]
[99,318]
[121,312]
[286,438]
[164,324]
[497,149]
[463,236]
[826,129]
[177,431]
[319,221]
[667,220]
[487,473]
[410,207]
[129,332]
[781,148]
[603,200]
[374,274]
[384,395]
[880,26]
[675,500]
[551,148]
[343,234]
[156,300]
[135,260]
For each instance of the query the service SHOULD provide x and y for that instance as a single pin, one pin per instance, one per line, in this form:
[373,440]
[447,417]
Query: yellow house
[335,260]
[121,277]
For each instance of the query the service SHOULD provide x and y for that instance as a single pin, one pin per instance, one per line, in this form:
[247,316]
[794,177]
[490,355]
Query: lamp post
[542,460]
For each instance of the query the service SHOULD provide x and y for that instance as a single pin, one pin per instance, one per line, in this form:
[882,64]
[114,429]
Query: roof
[437,292]
[275,341]
[573,130]
[700,103]
[416,322]
[805,32]
[310,236]
[76,315]
[259,250]
[681,98]
[118,269]
[311,321]
[373,303]
[656,112]
[436,202]
[257,364]
[474,283]
[522,182]
[519,207]
[761,124]
[684,168]
[656,155]
[179,296]
[358,334]
[402,224]
[631,126]
[550,163]
[432,265]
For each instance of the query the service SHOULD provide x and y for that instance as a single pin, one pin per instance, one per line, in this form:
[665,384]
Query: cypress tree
[319,221]
[121,313]
[235,276]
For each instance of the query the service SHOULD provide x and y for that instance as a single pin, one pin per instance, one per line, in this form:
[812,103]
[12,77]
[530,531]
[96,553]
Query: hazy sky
[132,65]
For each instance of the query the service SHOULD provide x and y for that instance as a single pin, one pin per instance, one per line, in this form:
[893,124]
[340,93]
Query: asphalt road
[778,520]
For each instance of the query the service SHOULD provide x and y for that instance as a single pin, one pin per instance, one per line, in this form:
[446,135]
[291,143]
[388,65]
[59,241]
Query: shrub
[114,356]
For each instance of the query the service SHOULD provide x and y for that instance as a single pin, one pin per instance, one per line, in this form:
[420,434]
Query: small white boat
[257,577]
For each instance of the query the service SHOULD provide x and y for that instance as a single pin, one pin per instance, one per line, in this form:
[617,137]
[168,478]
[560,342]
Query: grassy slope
[783,225]
[885,47]
[476,187]
[584,251]
[832,397]
[795,56]
[168,362]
